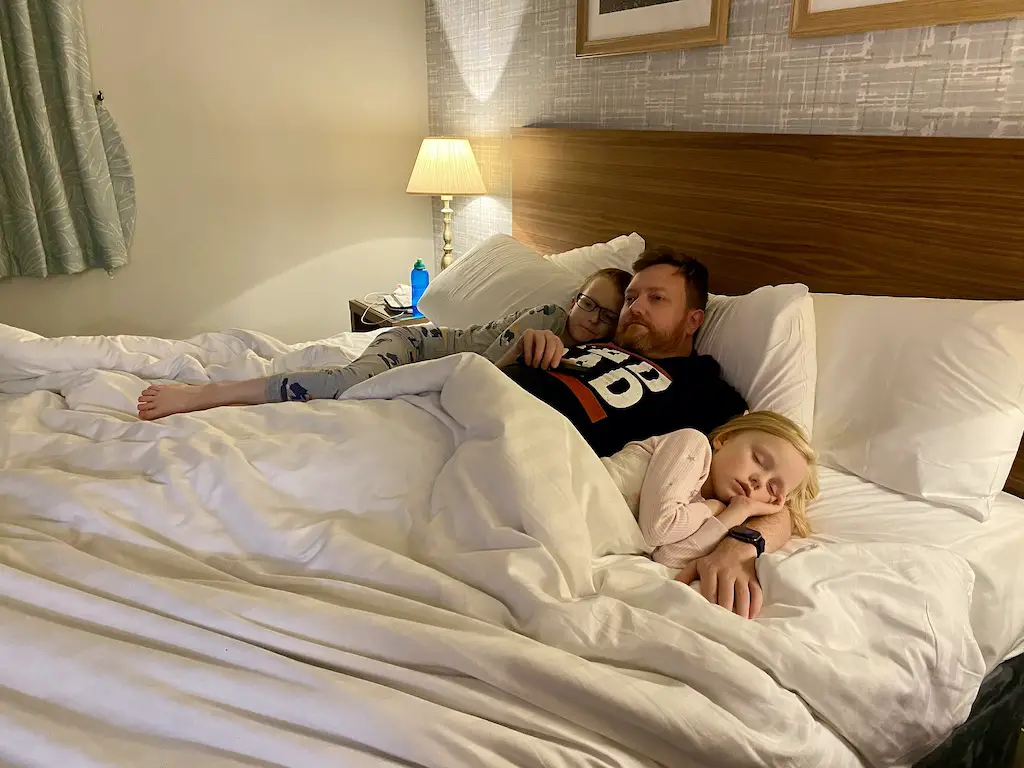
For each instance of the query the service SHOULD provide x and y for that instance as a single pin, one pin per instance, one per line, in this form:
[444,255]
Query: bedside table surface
[369,317]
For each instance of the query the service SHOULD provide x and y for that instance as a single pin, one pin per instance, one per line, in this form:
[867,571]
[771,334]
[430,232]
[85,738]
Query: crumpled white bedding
[437,571]
[852,510]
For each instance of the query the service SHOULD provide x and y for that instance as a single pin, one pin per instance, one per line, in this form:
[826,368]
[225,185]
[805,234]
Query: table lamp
[446,167]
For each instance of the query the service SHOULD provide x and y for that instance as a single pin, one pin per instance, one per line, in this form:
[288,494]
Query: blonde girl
[688,491]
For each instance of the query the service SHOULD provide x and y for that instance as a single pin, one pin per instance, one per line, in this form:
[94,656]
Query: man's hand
[541,349]
[728,577]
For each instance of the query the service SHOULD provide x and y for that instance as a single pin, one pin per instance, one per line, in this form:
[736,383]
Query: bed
[435,571]
[869,215]
[854,510]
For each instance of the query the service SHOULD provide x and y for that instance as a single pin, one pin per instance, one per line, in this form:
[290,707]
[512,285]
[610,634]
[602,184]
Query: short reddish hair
[695,273]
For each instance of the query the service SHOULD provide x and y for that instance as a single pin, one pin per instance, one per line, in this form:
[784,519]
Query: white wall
[272,141]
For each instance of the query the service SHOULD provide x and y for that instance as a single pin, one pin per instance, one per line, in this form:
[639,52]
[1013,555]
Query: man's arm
[776,529]
[728,576]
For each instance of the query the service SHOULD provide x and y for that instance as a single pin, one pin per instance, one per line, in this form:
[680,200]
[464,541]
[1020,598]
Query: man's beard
[639,337]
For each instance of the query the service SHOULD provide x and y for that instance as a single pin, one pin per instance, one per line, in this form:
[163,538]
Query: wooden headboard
[896,216]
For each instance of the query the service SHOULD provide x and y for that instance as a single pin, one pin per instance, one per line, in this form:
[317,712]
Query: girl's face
[594,314]
[757,465]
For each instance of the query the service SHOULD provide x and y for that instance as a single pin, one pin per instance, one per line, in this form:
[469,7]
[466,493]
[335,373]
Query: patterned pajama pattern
[401,346]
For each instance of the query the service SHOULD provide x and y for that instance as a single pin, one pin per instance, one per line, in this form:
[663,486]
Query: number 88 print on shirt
[614,396]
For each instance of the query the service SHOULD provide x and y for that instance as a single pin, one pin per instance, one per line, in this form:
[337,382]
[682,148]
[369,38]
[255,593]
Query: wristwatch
[748,536]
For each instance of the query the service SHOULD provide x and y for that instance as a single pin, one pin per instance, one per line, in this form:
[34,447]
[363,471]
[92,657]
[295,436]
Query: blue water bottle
[420,279]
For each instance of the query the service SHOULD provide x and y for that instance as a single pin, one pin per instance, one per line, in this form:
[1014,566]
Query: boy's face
[591,324]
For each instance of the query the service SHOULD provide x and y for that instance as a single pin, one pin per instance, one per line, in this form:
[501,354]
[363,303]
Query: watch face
[749,536]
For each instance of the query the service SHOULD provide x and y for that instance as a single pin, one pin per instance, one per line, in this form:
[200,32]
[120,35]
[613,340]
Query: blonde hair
[779,426]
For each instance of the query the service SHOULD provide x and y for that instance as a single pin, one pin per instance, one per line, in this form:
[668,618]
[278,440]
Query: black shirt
[622,397]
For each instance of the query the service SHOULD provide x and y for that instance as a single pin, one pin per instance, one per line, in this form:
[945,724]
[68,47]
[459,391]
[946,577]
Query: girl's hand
[750,508]
[740,509]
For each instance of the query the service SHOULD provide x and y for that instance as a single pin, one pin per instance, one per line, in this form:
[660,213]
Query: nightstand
[366,317]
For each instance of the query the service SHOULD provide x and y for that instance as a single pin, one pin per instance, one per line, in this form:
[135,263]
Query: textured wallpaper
[494,65]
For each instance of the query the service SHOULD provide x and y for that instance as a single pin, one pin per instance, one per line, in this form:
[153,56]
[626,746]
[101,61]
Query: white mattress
[853,510]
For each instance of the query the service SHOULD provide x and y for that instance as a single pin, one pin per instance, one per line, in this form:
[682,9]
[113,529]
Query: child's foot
[164,399]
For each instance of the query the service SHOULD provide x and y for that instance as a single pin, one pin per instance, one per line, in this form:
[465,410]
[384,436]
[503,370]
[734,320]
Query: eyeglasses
[587,304]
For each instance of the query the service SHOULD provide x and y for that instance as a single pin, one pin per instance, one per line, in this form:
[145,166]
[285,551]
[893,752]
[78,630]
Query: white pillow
[583,262]
[765,343]
[498,276]
[923,396]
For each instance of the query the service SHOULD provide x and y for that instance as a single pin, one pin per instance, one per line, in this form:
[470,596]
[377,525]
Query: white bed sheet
[246,620]
[853,510]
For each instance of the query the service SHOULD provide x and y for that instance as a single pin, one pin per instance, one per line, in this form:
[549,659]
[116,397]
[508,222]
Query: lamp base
[446,211]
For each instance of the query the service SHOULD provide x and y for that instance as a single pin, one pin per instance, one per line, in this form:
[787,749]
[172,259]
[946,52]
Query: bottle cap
[419,264]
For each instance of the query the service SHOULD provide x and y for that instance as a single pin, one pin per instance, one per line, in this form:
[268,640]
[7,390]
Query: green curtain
[67,194]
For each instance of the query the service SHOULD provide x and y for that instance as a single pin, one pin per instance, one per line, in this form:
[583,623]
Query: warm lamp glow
[446,167]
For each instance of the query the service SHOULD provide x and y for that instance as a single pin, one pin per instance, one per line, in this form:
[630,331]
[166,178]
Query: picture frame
[617,27]
[821,18]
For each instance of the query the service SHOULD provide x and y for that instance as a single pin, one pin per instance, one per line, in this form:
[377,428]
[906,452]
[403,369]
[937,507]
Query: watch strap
[748,536]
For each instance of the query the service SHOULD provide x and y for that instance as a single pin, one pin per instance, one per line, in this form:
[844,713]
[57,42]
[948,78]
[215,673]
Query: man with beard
[649,382]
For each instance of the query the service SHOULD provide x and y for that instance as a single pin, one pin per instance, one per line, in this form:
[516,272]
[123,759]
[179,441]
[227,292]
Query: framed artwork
[610,27]
[812,18]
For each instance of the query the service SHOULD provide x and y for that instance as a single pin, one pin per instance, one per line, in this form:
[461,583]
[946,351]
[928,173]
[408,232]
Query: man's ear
[694,319]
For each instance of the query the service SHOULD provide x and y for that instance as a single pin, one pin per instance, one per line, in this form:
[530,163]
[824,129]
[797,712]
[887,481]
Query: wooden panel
[715,33]
[905,13]
[1015,484]
[893,216]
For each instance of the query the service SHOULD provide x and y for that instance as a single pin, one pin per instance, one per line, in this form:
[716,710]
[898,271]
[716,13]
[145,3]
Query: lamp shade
[446,167]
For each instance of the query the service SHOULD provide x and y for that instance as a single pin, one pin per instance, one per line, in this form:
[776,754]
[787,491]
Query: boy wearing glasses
[592,315]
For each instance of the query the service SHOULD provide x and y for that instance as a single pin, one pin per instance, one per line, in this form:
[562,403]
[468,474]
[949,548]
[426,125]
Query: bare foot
[161,400]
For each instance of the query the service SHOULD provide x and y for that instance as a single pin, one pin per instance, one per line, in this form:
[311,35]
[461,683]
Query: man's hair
[695,273]
[620,277]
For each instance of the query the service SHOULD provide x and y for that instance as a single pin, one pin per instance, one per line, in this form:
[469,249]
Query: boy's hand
[541,349]
[511,355]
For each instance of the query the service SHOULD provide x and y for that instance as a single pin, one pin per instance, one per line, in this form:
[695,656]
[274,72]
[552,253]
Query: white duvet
[437,571]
